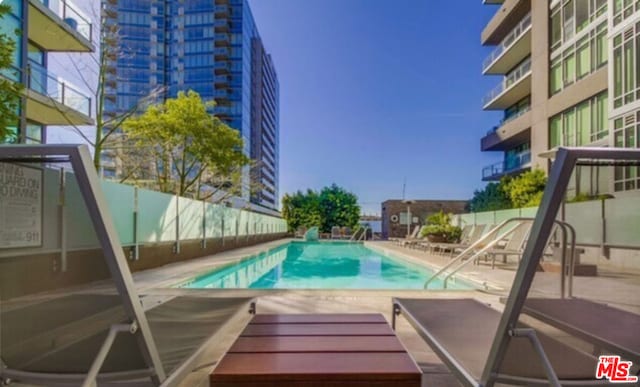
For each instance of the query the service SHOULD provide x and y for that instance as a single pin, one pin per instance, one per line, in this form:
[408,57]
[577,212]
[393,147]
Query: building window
[572,16]
[623,9]
[626,48]
[578,60]
[625,135]
[580,125]
[34,133]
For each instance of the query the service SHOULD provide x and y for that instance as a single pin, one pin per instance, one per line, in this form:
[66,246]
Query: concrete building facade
[395,216]
[568,78]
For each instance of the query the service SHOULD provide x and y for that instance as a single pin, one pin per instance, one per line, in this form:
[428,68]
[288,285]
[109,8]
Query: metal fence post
[176,248]
[136,246]
[62,213]
[204,225]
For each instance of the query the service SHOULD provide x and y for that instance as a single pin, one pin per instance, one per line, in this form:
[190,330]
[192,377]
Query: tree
[186,144]
[525,190]
[9,90]
[339,207]
[332,206]
[491,198]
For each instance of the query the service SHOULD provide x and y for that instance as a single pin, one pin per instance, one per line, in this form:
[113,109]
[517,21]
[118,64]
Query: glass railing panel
[71,16]
[46,83]
[524,24]
[509,80]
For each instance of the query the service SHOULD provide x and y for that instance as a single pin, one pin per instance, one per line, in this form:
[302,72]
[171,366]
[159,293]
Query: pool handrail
[563,226]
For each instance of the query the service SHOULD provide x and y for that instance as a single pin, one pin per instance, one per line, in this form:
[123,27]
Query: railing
[508,119]
[507,41]
[509,80]
[45,83]
[508,165]
[71,17]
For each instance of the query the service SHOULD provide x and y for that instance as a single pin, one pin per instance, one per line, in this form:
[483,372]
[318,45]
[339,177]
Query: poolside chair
[413,235]
[104,333]
[513,246]
[483,346]
[473,236]
[346,233]
[335,232]
[300,232]
[464,238]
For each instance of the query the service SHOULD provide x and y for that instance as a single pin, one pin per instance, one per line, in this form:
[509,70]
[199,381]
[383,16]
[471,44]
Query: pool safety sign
[20,206]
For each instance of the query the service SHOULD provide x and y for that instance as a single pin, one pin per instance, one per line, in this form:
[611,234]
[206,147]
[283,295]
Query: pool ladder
[363,235]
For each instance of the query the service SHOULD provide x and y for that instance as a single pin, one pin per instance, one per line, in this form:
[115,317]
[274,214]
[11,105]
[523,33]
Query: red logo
[614,369]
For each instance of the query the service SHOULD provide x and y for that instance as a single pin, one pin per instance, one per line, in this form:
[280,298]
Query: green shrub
[440,224]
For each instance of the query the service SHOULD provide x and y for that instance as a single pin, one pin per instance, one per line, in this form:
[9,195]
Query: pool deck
[622,289]
[618,288]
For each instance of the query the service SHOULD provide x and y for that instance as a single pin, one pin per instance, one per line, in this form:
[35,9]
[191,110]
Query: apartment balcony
[222,26]
[512,50]
[514,87]
[513,166]
[490,2]
[221,53]
[222,39]
[222,94]
[506,18]
[222,68]
[508,133]
[60,28]
[222,81]
[222,11]
[52,101]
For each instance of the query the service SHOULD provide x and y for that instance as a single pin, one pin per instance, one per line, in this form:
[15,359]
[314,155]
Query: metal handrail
[480,252]
[563,225]
[468,250]
[353,235]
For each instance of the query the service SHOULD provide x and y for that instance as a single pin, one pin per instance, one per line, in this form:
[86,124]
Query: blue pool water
[320,265]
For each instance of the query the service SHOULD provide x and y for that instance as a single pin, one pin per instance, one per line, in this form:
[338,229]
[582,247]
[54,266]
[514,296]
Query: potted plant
[439,229]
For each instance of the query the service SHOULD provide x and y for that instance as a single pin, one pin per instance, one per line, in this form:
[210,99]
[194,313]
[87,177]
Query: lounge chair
[300,232]
[473,236]
[483,346]
[346,233]
[413,235]
[464,238]
[335,232]
[603,326]
[513,246]
[107,332]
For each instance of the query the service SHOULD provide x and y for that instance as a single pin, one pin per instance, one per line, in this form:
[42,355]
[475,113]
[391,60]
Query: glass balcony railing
[222,10]
[510,164]
[509,80]
[46,83]
[71,17]
[507,41]
[508,119]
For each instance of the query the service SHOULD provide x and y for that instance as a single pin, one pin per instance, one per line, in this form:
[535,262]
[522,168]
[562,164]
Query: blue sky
[373,91]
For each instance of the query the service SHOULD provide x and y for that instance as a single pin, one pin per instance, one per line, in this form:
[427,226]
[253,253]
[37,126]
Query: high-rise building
[48,100]
[212,47]
[569,77]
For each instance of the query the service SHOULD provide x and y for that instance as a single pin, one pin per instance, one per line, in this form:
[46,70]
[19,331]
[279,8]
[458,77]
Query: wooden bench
[317,350]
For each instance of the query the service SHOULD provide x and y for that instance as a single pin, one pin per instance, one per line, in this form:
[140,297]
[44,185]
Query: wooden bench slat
[317,330]
[316,344]
[328,366]
[343,318]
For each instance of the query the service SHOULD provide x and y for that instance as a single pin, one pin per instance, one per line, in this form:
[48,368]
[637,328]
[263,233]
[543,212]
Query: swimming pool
[320,265]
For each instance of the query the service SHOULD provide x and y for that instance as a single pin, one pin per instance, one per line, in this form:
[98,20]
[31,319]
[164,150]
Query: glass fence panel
[79,229]
[213,217]
[585,218]
[191,215]
[623,221]
[485,218]
[121,202]
[506,214]
[157,216]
